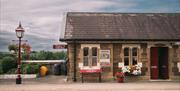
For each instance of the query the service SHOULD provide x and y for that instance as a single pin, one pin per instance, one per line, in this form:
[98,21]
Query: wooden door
[154,63]
[163,63]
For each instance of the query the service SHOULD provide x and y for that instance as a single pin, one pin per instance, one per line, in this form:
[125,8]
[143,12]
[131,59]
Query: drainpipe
[74,61]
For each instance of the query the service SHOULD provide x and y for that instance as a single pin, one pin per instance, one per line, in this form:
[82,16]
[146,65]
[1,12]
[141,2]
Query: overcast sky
[43,19]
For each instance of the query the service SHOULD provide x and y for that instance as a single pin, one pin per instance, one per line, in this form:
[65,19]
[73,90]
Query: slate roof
[122,26]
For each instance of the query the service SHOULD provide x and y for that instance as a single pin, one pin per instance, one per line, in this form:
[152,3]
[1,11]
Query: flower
[119,74]
[134,70]
[126,69]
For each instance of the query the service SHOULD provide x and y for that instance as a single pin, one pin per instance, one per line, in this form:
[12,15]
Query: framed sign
[59,46]
[105,57]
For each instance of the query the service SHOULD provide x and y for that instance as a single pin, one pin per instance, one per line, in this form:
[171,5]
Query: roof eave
[64,40]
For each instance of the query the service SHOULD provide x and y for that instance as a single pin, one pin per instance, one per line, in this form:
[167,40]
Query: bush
[12,71]
[8,63]
[2,55]
[1,68]
[31,69]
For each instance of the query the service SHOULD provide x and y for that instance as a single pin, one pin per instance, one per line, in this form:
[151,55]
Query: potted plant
[119,75]
[132,70]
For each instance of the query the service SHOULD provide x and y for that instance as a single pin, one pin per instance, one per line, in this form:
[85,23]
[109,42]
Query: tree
[27,50]
[59,55]
[8,63]
[13,48]
[46,55]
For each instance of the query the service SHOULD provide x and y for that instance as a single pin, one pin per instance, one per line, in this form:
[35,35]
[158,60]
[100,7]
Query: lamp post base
[18,80]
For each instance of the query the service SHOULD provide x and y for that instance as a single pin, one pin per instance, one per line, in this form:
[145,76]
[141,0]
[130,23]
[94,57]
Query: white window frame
[90,57]
[131,46]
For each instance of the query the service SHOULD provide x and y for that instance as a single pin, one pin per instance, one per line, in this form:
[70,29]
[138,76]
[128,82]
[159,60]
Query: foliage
[2,55]
[8,63]
[1,72]
[25,69]
[31,69]
[26,50]
[13,48]
[1,68]
[12,71]
[45,55]
[24,56]
[132,70]
[119,73]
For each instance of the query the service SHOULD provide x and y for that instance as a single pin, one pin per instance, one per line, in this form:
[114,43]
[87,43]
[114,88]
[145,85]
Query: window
[89,56]
[130,56]
[94,56]
[126,56]
[85,56]
[134,56]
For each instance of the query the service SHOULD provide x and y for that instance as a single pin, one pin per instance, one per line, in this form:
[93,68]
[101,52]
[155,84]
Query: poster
[105,57]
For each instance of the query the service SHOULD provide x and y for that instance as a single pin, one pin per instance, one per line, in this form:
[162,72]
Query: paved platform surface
[58,83]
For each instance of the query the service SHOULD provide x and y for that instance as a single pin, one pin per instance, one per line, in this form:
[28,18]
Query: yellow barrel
[43,70]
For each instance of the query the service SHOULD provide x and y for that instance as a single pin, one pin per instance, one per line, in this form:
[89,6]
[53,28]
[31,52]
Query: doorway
[159,63]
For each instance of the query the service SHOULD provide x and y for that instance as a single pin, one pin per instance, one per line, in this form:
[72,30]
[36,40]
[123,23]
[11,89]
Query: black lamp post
[19,33]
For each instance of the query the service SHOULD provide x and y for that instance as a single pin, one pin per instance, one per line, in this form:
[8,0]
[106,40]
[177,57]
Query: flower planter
[120,77]
[120,80]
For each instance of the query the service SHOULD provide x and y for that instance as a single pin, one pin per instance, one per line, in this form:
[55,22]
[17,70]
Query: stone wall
[116,57]
[144,59]
[107,72]
[175,60]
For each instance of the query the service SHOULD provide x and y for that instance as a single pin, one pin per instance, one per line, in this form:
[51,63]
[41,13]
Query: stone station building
[107,41]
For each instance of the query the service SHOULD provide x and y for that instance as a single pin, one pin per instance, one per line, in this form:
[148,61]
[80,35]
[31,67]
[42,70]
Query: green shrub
[12,71]
[1,68]
[1,72]
[8,63]
[36,68]
[31,69]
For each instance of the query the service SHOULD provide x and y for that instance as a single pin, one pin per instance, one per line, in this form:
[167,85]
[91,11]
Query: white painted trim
[178,65]
[88,67]
[177,43]
[131,46]
[63,24]
[43,61]
[14,76]
[90,46]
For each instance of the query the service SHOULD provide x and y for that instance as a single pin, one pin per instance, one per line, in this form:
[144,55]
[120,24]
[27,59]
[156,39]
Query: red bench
[90,71]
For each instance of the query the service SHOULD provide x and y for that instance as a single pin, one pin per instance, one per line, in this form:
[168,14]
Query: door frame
[149,59]
[156,62]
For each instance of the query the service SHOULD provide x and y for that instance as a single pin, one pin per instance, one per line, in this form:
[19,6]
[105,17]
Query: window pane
[94,56]
[126,51]
[85,51]
[94,51]
[94,61]
[134,61]
[85,54]
[126,61]
[134,51]
[85,61]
